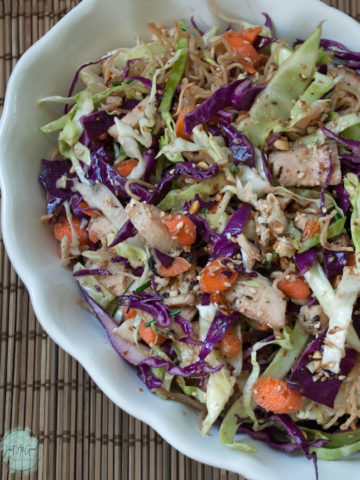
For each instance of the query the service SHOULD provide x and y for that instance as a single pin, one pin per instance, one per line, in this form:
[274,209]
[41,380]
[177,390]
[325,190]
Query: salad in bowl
[205,194]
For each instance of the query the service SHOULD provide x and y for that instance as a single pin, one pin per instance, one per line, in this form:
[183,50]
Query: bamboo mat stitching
[81,433]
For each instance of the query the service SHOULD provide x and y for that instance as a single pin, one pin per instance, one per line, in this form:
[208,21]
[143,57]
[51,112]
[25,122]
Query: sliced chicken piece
[181,291]
[147,220]
[301,219]
[126,330]
[313,112]
[191,93]
[102,198]
[261,303]
[350,78]
[188,312]
[117,281]
[161,282]
[116,284]
[306,167]
[252,253]
[132,118]
[189,353]
[100,227]
[284,247]
[313,319]
[272,214]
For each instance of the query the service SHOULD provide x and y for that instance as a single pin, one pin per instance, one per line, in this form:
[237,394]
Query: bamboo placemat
[81,434]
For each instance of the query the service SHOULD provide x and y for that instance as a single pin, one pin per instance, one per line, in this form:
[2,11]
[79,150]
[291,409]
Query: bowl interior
[90,30]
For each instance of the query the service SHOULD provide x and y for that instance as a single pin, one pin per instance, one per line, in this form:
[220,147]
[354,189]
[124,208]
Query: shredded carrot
[102,137]
[214,208]
[219,300]
[129,313]
[180,128]
[94,238]
[311,229]
[351,260]
[263,326]
[296,289]
[217,276]
[251,34]
[230,344]
[149,336]
[179,266]
[87,210]
[241,45]
[181,228]
[275,396]
[126,166]
[62,229]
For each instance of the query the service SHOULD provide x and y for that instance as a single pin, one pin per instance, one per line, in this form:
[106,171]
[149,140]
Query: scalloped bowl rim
[36,287]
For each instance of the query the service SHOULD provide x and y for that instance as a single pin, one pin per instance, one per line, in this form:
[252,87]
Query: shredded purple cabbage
[342,198]
[164,259]
[124,348]
[224,246]
[311,301]
[203,229]
[126,231]
[334,262]
[101,170]
[225,115]
[78,211]
[205,299]
[195,370]
[95,125]
[149,155]
[239,95]
[273,139]
[262,42]
[188,169]
[203,203]
[145,81]
[305,260]
[268,21]
[149,303]
[50,173]
[298,437]
[138,271]
[292,309]
[266,167]
[128,64]
[242,150]
[339,50]
[270,436]
[356,317]
[220,325]
[190,341]
[91,271]
[76,78]
[354,145]
[194,24]
[148,378]
[302,380]
[129,104]
[325,186]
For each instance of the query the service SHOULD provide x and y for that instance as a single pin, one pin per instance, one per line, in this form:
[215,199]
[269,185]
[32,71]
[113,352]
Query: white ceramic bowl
[92,28]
